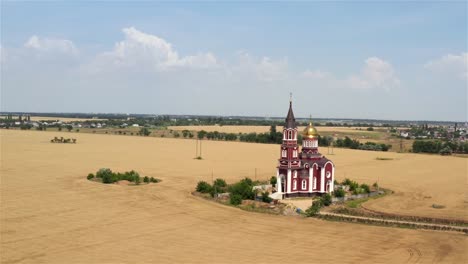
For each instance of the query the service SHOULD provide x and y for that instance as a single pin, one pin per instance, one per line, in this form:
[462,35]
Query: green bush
[365,187]
[220,183]
[103,171]
[266,198]
[203,187]
[244,189]
[339,193]
[273,180]
[146,179]
[152,179]
[314,209]
[137,178]
[90,176]
[235,199]
[326,199]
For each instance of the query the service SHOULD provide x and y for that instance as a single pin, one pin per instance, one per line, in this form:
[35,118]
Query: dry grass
[50,213]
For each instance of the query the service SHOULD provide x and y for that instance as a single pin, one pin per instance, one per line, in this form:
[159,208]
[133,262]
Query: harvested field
[50,213]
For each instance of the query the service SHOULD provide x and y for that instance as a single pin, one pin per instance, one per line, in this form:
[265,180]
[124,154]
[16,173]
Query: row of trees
[441,147]
[347,142]
[272,137]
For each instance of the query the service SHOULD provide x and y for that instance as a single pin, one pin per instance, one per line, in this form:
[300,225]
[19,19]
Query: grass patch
[381,158]
[356,203]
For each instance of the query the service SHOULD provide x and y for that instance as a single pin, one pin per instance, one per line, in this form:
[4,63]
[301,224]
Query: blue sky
[391,60]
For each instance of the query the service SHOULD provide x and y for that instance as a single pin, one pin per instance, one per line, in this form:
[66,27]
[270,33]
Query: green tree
[235,199]
[203,187]
[326,199]
[266,198]
[314,209]
[339,192]
[144,131]
[273,181]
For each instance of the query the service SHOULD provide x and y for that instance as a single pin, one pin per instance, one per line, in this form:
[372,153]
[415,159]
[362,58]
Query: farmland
[51,213]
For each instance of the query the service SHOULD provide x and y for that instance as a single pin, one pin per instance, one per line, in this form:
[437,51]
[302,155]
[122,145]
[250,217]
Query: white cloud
[450,64]
[376,73]
[316,74]
[51,45]
[140,49]
[264,69]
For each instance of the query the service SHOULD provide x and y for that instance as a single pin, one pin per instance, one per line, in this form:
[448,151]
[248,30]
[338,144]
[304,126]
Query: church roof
[290,120]
[320,162]
[310,131]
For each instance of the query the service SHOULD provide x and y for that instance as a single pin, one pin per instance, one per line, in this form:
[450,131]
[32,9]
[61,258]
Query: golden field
[50,213]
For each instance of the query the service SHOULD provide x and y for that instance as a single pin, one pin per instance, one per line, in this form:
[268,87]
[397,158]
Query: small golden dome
[310,131]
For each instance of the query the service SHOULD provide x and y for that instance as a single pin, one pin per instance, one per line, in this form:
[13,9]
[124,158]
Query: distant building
[304,173]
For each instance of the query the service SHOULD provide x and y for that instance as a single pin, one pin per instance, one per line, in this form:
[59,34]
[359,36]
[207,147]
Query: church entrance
[283,183]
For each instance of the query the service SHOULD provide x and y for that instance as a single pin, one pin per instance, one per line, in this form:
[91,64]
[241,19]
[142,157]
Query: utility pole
[196,149]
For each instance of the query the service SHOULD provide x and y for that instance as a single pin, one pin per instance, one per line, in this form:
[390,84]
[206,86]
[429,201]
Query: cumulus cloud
[264,68]
[51,45]
[316,74]
[456,65]
[376,73]
[140,49]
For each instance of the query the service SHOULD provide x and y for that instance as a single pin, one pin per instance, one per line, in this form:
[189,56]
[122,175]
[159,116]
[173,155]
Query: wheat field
[50,213]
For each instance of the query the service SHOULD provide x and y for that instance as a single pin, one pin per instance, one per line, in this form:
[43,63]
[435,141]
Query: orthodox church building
[302,172]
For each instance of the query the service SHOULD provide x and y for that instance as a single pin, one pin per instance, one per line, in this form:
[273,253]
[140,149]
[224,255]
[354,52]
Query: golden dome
[310,131]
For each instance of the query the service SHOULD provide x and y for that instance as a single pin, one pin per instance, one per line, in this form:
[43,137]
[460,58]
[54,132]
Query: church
[302,173]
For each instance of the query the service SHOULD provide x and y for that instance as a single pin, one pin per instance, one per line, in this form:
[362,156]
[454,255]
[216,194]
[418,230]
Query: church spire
[290,120]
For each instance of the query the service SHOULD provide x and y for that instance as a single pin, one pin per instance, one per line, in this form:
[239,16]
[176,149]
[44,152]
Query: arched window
[304,184]
[294,185]
[289,134]
[295,174]
[283,153]
[315,182]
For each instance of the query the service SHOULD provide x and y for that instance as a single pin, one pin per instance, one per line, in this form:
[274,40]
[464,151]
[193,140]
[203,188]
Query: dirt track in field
[50,213]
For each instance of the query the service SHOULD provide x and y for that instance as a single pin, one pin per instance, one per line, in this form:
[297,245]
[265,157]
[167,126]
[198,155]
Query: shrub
[137,178]
[326,199]
[365,187]
[339,193]
[152,179]
[203,187]
[219,183]
[146,179]
[314,209]
[375,185]
[103,171]
[266,198]
[446,151]
[90,176]
[235,199]
[273,180]
[243,188]
[107,178]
